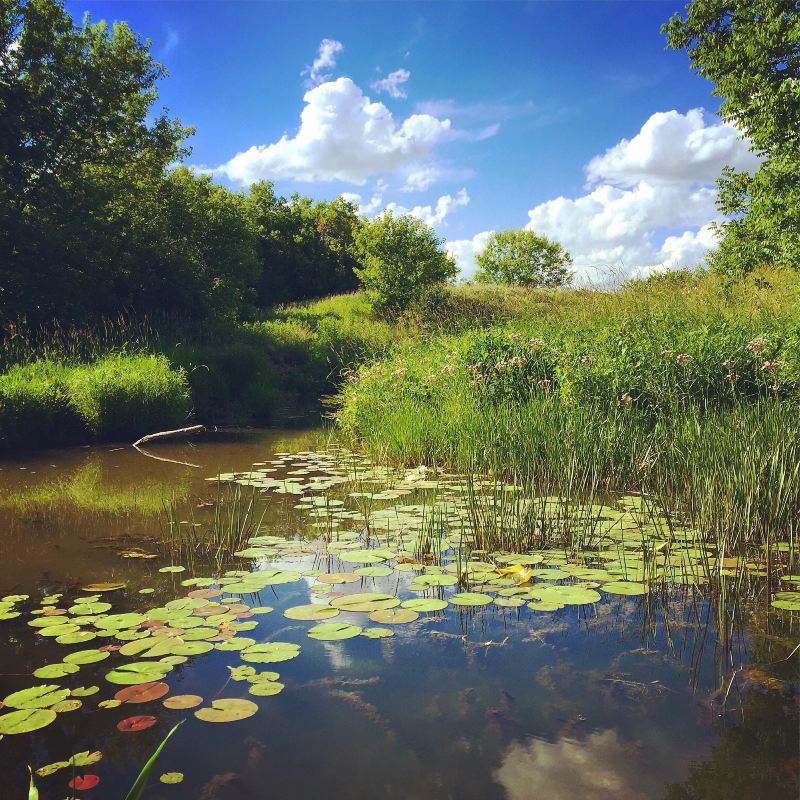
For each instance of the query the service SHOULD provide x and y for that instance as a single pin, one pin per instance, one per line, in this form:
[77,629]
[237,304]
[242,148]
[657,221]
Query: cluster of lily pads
[365,556]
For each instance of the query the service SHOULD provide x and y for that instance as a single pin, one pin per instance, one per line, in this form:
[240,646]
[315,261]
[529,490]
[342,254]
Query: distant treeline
[96,219]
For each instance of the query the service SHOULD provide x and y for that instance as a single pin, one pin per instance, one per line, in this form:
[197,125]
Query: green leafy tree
[401,259]
[524,258]
[304,247]
[751,51]
[78,136]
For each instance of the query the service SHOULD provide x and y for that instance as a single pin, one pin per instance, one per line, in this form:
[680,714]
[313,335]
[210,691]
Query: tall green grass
[683,388]
[44,403]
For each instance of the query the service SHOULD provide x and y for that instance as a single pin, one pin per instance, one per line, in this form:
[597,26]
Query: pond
[362,643]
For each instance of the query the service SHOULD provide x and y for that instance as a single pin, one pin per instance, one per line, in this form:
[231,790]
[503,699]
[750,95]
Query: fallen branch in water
[170,434]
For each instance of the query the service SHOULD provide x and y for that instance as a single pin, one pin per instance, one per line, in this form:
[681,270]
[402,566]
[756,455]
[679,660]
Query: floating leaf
[175,568]
[81,783]
[365,601]
[270,652]
[86,656]
[26,720]
[227,710]
[138,672]
[183,701]
[333,631]
[394,616]
[265,688]
[470,599]
[85,691]
[103,587]
[137,723]
[377,633]
[85,758]
[171,777]
[67,705]
[311,612]
[36,697]
[424,604]
[50,671]
[142,693]
[51,769]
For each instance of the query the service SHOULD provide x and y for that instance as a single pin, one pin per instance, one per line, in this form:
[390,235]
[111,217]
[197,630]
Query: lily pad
[311,612]
[26,720]
[36,697]
[270,652]
[425,604]
[171,777]
[377,633]
[333,631]
[142,693]
[227,710]
[265,688]
[394,616]
[470,599]
[182,701]
[365,601]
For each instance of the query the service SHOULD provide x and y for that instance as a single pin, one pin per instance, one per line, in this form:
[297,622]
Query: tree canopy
[751,51]
[401,258]
[522,257]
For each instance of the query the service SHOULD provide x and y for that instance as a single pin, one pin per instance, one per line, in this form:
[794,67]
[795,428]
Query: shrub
[122,395]
[402,258]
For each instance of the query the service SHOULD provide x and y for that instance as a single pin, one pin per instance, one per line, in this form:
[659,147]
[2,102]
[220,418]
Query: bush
[126,396]
[402,259]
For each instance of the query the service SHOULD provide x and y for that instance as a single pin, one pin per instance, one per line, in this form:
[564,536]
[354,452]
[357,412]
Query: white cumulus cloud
[392,84]
[433,214]
[344,136]
[463,252]
[673,148]
[325,60]
[651,199]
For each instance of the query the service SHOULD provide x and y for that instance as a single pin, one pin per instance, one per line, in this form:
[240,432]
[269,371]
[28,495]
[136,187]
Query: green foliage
[304,247]
[34,407]
[128,396]
[751,51]
[681,384]
[47,403]
[401,259]
[521,257]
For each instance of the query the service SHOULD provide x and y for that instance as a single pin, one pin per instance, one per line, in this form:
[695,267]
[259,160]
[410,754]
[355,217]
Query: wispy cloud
[392,84]
[172,40]
[325,60]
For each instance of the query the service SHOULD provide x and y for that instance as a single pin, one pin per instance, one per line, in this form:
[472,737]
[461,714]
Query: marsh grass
[236,516]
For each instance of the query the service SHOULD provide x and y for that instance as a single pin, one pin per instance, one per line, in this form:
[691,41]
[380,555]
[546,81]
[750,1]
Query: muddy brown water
[631,699]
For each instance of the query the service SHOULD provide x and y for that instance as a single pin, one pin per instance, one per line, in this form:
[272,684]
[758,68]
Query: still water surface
[628,699]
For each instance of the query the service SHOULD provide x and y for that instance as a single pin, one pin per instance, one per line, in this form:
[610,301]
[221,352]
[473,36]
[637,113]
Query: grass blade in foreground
[140,784]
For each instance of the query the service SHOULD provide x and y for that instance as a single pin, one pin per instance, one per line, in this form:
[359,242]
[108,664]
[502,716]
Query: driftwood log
[151,437]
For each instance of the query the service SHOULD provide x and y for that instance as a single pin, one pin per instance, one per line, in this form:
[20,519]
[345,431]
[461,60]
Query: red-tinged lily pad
[81,783]
[142,693]
[139,723]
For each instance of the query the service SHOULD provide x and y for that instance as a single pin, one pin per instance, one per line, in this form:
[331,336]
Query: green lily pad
[50,671]
[265,688]
[227,710]
[138,672]
[311,612]
[333,631]
[26,720]
[270,652]
[470,599]
[394,616]
[628,588]
[365,601]
[36,697]
[377,633]
[424,604]
[86,656]
[171,777]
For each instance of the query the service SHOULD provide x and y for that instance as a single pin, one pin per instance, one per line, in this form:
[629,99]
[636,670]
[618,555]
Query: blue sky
[494,112]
